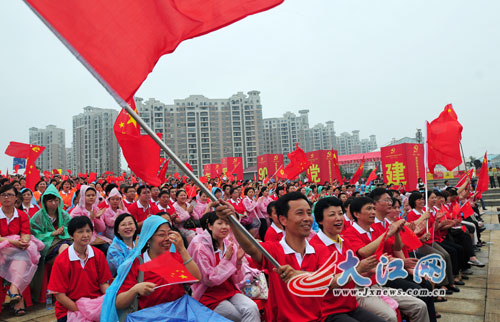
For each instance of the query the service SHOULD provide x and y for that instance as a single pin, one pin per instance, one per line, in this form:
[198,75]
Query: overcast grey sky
[383,67]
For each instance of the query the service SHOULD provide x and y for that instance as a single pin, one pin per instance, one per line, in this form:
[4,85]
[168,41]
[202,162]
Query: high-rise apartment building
[282,133]
[95,148]
[54,141]
[321,137]
[202,130]
[351,144]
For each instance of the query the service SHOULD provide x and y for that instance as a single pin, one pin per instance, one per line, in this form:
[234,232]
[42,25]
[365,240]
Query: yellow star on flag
[122,124]
[183,276]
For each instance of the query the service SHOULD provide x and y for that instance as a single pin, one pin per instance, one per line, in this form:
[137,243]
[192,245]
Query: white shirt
[347,218]
[288,250]
[74,257]
[3,216]
[276,228]
[362,231]
[328,241]
[146,257]
[383,223]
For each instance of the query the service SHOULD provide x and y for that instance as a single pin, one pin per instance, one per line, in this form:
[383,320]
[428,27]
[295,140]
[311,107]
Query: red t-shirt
[70,278]
[282,305]
[272,234]
[19,225]
[160,295]
[238,206]
[216,294]
[140,214]
[414,215]
[336,304]
[103,204]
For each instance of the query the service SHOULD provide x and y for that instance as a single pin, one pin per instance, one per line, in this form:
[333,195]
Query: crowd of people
[83,242]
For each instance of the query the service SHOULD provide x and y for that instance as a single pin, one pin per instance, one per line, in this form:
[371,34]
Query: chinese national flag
[372,176]
[456,210]
[380,249]
[281,172]
[188,166]
[483,180]
[358,173]
[443,140]
[336,167]
[32,174]
[19,150]
[169,269]
[464,177]
[141,151]
[467,210]
[409,239]
[298,163]
[163,172]
[123,39]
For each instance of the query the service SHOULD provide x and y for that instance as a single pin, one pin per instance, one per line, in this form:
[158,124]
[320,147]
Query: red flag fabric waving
[32,174]
[336,168]
[409,239]
[467,210]
[483,180]
[464,178]
[281,174]
[141,151]
[123,39]
[18,150]
[169,268]
[298,163]
[443,140]
[358,173]
[92,177]
[372,176]
[16,168]
[163,172]
[188,166]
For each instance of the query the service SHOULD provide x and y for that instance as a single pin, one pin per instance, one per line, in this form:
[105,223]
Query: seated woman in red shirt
[80,271]
[19,252]
[28,202]
[223,267]
[159,240]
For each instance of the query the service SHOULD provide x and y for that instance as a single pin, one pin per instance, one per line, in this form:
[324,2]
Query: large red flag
[358,173]
[372,176]
[281,174]
[163,172]
[123,39]
[336,168]
[32,174]
[443,140]
[467,210]
[483,180]
[18,150]
[298,163]
[141,151]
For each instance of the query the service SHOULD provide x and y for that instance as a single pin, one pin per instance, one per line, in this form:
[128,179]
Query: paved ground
[477,301]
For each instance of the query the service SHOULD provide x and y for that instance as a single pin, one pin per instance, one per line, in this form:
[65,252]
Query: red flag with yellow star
[358,173]
[169,268]
[443,140]
[141,151]
[298,163]
[281,172]
[32,174]
[336,167]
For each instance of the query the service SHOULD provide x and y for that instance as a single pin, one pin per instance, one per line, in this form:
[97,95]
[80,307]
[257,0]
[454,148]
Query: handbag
[257,289]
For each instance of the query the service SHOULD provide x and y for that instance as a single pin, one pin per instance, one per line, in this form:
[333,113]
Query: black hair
[322,205]
[232,190]
[38,183]
[91,189]
[225,186]
[164,192]
[377,193]
[394,200]
[262,190]
[77,223]
[430,192]
[141,188]
[47,197]
[247,190]
[179,192]
[342,193]
[438,193]
[109,187]
[356,194]
[358,203]
[414,197]
[62,184]
[278,189]
[118,221]
[126,189]
[282,206]
[452,191]
[270,207]
[8,187]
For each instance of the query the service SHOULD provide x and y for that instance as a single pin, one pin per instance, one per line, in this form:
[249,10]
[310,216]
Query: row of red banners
[402,163]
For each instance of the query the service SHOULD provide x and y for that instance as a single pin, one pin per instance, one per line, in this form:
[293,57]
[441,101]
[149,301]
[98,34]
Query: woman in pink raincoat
[87,206]
[116,208]
[251,207]
[19,251]
[224,270]
[202,204]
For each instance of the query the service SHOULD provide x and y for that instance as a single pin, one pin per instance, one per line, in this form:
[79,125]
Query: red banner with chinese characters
[268,164]
[403,163]
[212,170]
[232,166]
[322,166]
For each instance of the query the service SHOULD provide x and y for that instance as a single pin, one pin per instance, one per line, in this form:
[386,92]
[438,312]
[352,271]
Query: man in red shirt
[129,196]
[79,271]
[294,253]
[330,218]
[142,208]
[275,231]
[164,203]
